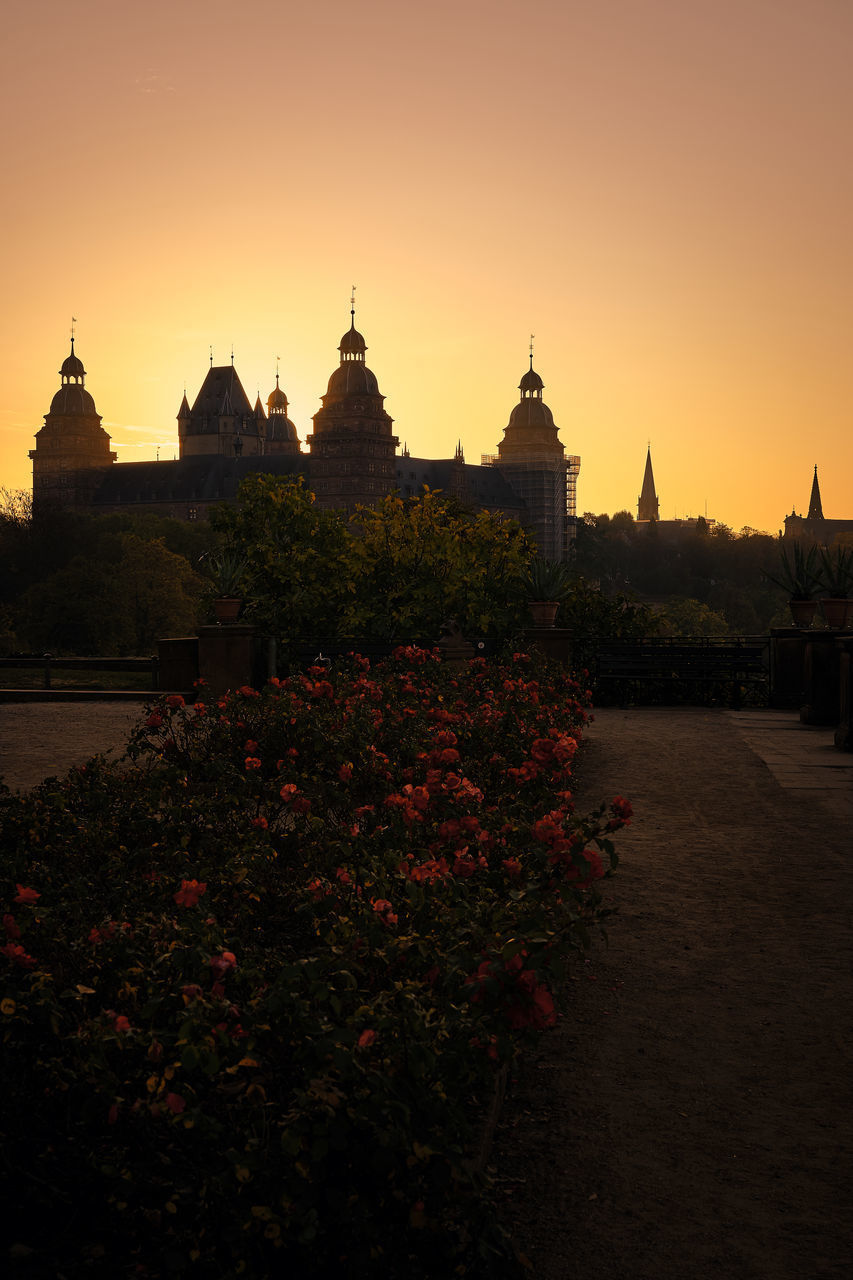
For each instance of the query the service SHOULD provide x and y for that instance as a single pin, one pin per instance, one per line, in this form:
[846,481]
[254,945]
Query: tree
[293,553]
[417,562]
[120,601]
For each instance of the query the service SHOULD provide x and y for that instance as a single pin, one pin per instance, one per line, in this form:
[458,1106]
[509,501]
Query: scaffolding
[548,487]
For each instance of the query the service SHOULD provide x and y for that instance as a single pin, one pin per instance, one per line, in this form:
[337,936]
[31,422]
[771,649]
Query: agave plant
[799,574]
[227,572]
[836,571]
[547,580]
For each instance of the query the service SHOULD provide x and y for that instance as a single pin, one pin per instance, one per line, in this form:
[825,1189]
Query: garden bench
[684,667]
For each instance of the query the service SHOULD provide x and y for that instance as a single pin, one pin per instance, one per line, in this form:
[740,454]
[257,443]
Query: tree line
[76,583]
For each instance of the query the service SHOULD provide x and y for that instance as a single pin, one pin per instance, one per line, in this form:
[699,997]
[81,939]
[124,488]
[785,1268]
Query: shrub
[257,984]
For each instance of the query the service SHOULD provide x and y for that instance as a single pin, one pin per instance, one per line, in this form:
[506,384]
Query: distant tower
[281,433]
[815,504]
[534,463]
[648,506]
[72,449]
[221,420]
[353,445]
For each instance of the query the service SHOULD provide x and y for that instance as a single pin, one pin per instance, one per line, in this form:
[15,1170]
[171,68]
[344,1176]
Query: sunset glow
[660,190]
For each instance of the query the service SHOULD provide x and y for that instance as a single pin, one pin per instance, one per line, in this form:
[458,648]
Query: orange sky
[660,190]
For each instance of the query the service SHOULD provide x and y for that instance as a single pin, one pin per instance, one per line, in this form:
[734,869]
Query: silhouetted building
[648,507]
[814,527]
[352,459]
[72,450]
[353,445]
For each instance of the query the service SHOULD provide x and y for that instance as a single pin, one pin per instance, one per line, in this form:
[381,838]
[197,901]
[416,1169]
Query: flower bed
[257,988]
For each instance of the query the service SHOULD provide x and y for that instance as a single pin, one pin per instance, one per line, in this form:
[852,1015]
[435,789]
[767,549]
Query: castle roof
[222,394]
[72,365]
[484,486]
[199,478]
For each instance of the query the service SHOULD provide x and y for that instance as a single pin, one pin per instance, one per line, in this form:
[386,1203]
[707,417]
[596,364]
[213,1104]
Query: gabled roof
[222,393]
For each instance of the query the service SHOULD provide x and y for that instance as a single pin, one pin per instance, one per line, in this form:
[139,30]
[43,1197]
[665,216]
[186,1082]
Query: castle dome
[352,346]
[72,398]
[277,400]
[531,383]
[72,366]
[529,414]
[531,430]
[352,377]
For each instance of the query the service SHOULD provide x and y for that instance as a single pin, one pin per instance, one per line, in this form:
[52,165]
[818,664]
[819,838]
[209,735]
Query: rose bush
[257,986]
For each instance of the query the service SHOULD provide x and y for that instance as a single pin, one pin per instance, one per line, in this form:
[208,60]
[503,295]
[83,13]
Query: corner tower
[534,462]
[353,445]
[72,449]
[281,433]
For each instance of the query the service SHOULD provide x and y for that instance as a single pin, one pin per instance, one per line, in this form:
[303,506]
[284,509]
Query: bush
[257,985]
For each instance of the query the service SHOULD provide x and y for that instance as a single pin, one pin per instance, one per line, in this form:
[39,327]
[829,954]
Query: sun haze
[660,190]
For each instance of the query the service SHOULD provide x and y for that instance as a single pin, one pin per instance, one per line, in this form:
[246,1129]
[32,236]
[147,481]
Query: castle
[352,457]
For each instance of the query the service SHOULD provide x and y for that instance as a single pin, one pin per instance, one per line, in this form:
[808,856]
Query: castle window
[192,513]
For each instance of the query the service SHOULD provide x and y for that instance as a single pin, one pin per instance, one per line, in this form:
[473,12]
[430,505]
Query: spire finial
[211,355]
[74,321]
[352,306]
[277,361]
[232,355]
[532,336]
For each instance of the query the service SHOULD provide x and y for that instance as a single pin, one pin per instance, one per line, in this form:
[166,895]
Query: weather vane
[73,322]
[352,303]
[211,355]
[532,336]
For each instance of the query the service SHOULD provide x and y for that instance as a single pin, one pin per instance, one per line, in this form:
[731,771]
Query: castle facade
[352,457]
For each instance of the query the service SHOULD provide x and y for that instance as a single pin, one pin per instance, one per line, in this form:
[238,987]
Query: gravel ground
[691,1116]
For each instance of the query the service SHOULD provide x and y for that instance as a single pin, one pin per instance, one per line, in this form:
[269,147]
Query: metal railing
[49,665]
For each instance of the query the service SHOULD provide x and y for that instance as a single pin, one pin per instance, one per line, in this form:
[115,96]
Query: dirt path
[692,1118]
[44,739]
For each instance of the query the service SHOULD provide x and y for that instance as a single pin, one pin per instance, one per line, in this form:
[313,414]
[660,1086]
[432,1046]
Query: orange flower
[366,1039]
[26,897]
[190,892]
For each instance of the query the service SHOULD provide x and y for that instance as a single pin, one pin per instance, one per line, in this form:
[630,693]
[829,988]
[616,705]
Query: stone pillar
[231,656]
[820,679]
[787,661]
[554,642]
[178,663]
[844,729]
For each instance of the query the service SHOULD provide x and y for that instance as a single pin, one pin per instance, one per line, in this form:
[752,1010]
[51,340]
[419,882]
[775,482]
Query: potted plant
[799,576]
[547,583]
[227,571]
[836,579]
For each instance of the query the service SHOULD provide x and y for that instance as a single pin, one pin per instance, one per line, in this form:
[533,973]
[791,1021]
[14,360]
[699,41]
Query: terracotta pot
[543,612]
[227,608]
[803,612]
[835,610]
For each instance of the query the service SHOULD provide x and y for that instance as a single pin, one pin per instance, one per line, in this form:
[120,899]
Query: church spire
[648,506]
[815,504]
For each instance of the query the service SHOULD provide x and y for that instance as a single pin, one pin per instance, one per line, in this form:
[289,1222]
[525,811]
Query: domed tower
[281,433]
[72,449]
[534,462]
[353,446]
